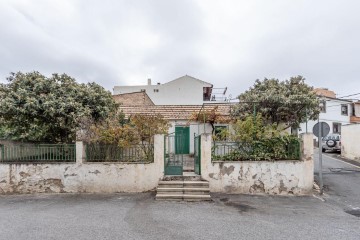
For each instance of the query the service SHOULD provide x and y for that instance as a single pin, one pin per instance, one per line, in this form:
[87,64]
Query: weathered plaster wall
[279,177]
[350,146]
[83,177]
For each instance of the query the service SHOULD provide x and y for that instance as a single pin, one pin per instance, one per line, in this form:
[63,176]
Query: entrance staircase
[188,187]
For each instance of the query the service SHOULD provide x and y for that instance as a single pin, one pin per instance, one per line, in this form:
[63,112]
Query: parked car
[331,142]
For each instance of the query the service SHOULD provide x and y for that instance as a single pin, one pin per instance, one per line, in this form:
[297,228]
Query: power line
[350,95]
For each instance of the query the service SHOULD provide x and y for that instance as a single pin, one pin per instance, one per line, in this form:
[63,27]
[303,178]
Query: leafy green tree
[50,109]
[285,103]
[137,130]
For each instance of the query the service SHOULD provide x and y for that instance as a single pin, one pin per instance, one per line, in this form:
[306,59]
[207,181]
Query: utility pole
[320,157]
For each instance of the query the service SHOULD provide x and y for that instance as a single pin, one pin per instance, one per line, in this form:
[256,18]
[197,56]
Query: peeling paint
[226,170]
[257,187]
[96,172]
[24,174]
[70,175]
[282,187]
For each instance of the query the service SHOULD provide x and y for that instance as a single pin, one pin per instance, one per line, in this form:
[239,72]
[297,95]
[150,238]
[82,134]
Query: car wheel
[323,150]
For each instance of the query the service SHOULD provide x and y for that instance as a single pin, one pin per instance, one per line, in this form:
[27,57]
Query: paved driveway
[139,216]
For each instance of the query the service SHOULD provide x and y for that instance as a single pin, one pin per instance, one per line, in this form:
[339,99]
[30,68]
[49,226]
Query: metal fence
[38,153]
[114,153]
[242,151]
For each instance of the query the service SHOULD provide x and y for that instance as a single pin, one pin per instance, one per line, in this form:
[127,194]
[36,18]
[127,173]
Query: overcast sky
[228,43]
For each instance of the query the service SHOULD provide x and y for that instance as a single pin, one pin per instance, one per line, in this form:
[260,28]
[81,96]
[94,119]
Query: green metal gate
[197,154]
[173,160]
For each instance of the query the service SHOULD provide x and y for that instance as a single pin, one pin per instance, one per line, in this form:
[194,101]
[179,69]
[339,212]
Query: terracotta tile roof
[175,112]
[325,92]
[135,98]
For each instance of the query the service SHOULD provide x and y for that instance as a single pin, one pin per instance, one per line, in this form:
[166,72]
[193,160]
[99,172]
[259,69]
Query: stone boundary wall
[350,141]
[259,177]
[82,176]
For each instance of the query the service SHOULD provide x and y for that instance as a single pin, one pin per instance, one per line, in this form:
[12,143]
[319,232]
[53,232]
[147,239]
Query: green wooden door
[182,140]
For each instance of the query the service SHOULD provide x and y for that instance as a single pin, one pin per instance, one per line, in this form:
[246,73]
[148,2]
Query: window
[156,90]
[336,127]
[207,93]
[323,106]
[344,109]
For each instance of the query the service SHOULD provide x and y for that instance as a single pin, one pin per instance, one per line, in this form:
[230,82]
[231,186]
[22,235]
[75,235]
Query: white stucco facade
[333,116]
[83,177]
[185,90]
[259,177]
[350,142]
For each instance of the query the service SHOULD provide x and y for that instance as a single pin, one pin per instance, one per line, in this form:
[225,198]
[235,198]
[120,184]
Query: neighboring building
[135,98]
[355,112]
[185,90]
[333,111]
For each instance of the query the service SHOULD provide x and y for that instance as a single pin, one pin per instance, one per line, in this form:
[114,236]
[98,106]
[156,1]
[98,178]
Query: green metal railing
[114,153]
[257,150]
[46,153]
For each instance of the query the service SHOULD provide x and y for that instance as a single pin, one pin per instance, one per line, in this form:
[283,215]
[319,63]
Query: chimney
[149,81]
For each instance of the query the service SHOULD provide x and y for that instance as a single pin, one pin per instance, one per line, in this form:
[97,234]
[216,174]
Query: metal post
[306,121]
[254,122]
[320,158]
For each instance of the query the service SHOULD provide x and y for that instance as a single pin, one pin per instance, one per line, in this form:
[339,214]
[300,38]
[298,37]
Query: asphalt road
[341,181]
[139,216]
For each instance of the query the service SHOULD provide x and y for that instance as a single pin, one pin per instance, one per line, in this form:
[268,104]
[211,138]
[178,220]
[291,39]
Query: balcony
[354,119]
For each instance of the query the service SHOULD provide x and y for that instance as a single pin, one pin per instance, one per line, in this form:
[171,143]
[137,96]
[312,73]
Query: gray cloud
[229,43]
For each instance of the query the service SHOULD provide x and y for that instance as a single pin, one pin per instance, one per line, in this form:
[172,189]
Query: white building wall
[286,177]
[182,91]
[350,144]
[83,177]
[332,115]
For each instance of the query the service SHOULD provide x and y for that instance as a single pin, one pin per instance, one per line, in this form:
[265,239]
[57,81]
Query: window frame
[338,129]
[347,110]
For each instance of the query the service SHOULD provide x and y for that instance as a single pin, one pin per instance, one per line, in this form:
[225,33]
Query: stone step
[185,177]
[186,197]
[180,184]
[196,184]
[171,182]
[180,190]
[192,197]
[169,189]
[178,197]
[195,191]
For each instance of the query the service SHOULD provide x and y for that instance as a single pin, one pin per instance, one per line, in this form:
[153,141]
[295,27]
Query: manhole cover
[354,212]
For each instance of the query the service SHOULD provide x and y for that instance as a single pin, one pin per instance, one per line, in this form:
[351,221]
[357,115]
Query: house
[355,112]
[185,90]
[134,99]
[334,111]
[176,101]
[179,115]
